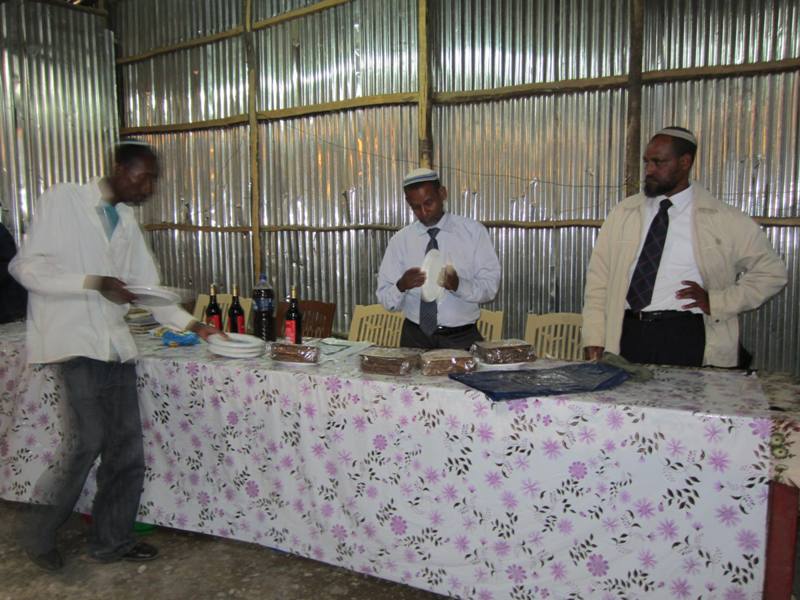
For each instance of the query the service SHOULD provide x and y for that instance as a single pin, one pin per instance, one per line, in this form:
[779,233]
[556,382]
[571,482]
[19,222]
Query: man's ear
[686,161]
[443,192]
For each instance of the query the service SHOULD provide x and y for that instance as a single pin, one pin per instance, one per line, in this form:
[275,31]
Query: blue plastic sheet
[525,383]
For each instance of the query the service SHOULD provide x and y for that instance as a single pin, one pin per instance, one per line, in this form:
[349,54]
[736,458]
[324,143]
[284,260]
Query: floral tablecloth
[654,489]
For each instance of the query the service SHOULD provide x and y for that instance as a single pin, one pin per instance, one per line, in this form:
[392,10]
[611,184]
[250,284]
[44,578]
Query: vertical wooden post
[425,88]
[252,100]
[633,130]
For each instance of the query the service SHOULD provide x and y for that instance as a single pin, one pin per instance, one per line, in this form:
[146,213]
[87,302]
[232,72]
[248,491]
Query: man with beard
[673,267]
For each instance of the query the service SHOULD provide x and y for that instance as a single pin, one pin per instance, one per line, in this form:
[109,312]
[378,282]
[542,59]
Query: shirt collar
[443,225]
[680,200]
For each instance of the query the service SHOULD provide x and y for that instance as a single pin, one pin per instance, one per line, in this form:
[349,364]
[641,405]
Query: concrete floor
[190,567]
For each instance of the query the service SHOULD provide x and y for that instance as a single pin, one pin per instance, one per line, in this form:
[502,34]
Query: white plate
[234,353]
[237,341]
[432,265]
[482,366]
[153,295]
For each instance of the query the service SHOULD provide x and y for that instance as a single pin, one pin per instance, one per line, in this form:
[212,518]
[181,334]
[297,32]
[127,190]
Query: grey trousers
[103,420]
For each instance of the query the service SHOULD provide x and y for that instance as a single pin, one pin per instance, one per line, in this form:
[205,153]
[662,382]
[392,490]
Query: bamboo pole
[181,127]
[531,89]
[719,71]
[425,110]
[633,128]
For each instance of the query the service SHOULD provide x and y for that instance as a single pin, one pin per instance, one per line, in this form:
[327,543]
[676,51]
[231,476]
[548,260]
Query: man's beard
[653,189]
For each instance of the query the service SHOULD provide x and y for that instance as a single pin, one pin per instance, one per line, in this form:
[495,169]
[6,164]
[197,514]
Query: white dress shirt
[677,260]
[67,241]
[466,245]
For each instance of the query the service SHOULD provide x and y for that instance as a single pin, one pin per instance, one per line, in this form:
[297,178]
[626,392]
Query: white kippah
[678,133]
[419,176]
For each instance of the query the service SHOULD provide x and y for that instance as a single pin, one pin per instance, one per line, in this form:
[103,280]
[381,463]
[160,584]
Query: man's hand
[412,278]
[204,331]
[448,278]
[693,291]
[111,288]
[593,352]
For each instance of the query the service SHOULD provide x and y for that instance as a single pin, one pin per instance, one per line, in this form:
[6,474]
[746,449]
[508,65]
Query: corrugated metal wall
[57,99]
[547,157]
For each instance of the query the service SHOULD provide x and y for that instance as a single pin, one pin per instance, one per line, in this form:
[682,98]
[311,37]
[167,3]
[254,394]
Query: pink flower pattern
[387,476]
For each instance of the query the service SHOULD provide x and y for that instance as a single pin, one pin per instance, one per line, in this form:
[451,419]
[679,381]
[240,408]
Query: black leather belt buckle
[657,315]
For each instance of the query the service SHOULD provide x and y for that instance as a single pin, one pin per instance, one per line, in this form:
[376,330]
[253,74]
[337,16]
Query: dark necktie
[428,310]
[640,292]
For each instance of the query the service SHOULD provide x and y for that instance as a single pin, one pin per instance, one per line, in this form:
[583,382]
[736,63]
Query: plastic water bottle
[263,310]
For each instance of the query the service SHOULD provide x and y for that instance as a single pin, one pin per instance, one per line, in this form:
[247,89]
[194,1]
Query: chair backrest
[490,324]
[317,317]
[224,301]
[555,335]
[373,323]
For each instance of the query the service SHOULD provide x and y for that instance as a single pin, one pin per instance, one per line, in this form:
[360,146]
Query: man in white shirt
[673,267]
[470,277]
[84,246]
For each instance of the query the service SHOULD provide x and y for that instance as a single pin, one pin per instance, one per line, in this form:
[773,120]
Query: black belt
[659,315]
[441,330]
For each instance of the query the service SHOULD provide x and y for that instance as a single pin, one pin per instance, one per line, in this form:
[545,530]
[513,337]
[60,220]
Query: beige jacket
[739,267]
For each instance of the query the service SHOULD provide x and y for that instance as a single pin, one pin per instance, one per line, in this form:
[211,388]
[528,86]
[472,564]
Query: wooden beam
[297,13]
[252,119]
[181,127]
[193,43]
[326,107]
[748,69]
[633,125]
[531,89]
[424,101]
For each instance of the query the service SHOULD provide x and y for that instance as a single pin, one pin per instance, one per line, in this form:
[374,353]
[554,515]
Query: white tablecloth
[654,490]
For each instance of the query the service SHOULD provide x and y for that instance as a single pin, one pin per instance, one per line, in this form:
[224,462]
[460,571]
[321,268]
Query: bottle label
[291,331]
[240,328]
[214,321]
[262,304]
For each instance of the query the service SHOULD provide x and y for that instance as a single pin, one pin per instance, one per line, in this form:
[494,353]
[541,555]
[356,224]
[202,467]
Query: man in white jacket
[673,267]
[82,250]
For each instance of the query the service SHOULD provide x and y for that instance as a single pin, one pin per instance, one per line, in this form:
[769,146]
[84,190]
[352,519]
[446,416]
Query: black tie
[640,292]
[428,310]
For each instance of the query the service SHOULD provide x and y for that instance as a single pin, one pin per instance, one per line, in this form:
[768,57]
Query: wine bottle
[236,314]
[213,311]
[293,325]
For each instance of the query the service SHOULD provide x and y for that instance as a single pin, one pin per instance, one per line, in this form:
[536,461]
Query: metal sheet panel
[748,130]
[58,101]
[194,260]
[362,48]
[204,178]
[541,158]
[484,44]
[700,33]
[198,84]
[141,25]
[336,169]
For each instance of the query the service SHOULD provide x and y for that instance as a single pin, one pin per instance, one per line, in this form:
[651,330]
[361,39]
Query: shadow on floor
[191,566]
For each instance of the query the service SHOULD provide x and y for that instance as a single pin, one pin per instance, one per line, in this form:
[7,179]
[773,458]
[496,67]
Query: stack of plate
[140,320]
[238,345]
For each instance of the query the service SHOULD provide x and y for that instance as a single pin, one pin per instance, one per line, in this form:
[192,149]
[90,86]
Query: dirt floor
[190,566]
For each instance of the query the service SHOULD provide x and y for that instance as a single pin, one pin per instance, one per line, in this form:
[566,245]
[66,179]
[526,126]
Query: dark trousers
[458,338]
[676,340]
[102,420]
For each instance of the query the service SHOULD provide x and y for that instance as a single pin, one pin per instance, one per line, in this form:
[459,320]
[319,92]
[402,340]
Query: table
[656,489]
